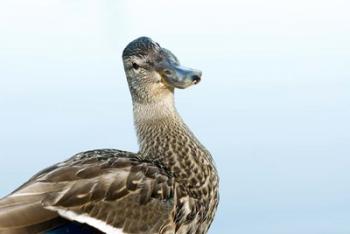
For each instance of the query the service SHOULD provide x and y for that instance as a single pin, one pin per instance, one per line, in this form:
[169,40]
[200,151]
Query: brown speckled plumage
[170,141]
[169,186]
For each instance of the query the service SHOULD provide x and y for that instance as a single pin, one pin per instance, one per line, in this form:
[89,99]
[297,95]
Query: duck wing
[110,190]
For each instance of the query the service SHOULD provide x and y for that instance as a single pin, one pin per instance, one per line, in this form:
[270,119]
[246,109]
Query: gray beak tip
[196,78]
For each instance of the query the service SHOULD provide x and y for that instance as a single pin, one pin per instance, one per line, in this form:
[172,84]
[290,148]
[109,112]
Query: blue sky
[273,106]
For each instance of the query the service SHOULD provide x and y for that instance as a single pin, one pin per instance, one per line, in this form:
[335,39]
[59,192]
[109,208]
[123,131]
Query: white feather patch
[84,218]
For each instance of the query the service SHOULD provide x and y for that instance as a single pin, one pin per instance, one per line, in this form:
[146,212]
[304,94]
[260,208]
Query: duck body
[169,186]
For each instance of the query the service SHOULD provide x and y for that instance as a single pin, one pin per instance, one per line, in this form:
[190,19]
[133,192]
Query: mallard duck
[169,186]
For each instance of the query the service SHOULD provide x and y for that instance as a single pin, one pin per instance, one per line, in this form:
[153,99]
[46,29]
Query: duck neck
[148,113]
[163,136]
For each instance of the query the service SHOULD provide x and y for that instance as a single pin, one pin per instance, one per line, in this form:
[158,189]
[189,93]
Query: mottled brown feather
[114,187]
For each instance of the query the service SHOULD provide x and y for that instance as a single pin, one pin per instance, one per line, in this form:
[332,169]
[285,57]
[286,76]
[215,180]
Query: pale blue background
[273,106]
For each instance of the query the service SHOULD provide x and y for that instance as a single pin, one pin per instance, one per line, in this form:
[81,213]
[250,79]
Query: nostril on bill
[195,79]
[167,72]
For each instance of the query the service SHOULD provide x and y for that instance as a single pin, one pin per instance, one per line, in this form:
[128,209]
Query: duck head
[153,72]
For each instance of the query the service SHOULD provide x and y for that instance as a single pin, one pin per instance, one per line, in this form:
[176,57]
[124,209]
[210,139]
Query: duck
[170,185]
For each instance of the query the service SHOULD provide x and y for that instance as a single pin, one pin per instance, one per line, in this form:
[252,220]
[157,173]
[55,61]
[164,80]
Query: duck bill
[180,77]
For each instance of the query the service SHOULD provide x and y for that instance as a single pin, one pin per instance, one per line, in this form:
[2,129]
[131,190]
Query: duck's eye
[135,66]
